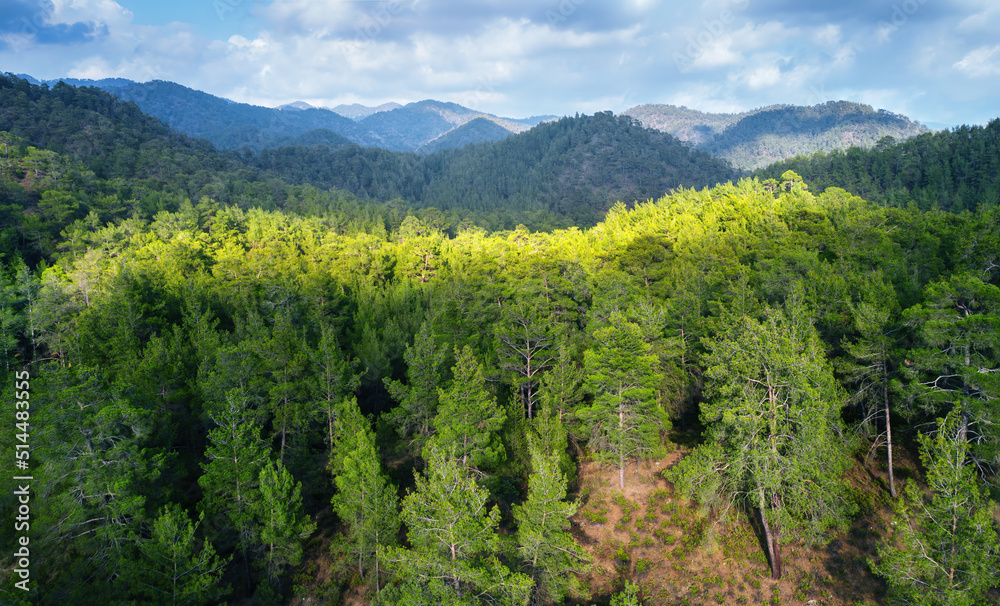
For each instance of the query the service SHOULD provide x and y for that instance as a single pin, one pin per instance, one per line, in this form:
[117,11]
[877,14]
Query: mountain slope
[686,124]
[574,167]
[477,130]
[783,132]
[227,124]
[356,111]
[111,137]
[414,125]
[754,139]
[231,125]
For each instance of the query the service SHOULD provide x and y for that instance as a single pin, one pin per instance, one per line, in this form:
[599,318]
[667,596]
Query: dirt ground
[680,554]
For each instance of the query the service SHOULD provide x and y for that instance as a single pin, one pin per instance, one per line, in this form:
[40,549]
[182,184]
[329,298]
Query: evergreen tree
[543,523]
[366,500]
[956,363]
[175,568]
[624,420]
[334,379]
[525,342]
[774,440]
[943,550]
[872,369]
[453,559]
[468,418]
[283,525]
[418,398]
[231,480]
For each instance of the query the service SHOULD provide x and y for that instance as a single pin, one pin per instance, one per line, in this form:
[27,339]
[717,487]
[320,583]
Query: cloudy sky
[937,61]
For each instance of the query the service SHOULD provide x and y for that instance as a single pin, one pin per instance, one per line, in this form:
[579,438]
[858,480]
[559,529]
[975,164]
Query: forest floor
[679,553]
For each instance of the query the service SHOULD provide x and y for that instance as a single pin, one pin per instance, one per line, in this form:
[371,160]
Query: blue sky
[937,61]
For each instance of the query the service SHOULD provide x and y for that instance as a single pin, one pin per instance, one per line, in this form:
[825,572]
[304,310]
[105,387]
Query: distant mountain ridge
[232,125]
[357,111]
[690,125]
[748,140]
[757,138]
[477,130]
[561,173]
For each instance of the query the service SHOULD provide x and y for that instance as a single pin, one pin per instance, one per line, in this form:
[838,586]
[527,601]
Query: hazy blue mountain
[296,106]
[104,83]
[477,130]
[231,125]
[227,124]
[415,125]
[357,111]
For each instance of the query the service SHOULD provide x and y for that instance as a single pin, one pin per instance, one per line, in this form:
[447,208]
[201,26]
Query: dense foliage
[951,170]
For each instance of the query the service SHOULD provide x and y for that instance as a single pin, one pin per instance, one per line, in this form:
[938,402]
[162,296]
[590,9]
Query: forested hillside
[238,385]
[474,131]
[573,168]
[755,139]
[112,160]
[684,123]
[951,170]
[771,135]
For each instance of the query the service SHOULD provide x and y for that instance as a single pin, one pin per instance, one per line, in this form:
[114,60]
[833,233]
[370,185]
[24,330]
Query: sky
[937,61]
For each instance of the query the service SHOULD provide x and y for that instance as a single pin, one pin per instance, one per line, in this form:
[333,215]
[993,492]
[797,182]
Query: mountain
[754,139]
[104,83]
[112,138]
[226,124]
[557,174]
[534,120]
[414,125]
[231,125]
[575,168]
[686,124]
[477,130]
[356,111]
[778,133]
[296,106]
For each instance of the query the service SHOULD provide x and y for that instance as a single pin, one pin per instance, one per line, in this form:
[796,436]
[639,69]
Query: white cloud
[107,12]
[981,63]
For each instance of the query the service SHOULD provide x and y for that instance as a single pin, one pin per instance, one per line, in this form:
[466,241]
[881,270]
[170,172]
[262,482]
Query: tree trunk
[771,542]
[621,448]
[888,441]
[526,399]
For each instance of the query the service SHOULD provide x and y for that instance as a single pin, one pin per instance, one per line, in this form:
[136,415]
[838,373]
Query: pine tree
[173,566]
[872,369]
[624,419]
[366,500]
[774,440]
[452,532]
[943,550]
[956,363]
[231,479]
[334,379]
[543,523]
[418,398]
[525,343]
[283,525]
[468,418]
